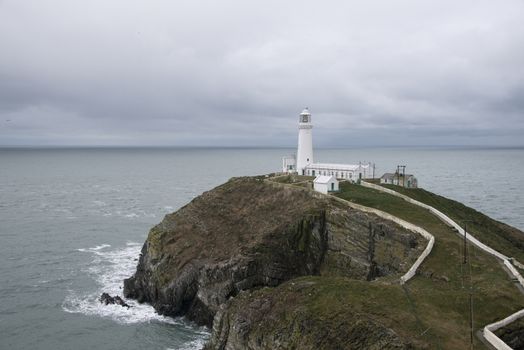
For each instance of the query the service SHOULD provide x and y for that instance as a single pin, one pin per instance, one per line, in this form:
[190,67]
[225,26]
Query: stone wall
[488,330]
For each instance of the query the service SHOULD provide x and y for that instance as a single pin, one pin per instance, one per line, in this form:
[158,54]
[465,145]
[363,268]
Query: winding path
[490,328]
[403,223]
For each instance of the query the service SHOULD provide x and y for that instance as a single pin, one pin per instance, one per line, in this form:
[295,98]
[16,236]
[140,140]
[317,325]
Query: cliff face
[513,334]
[305,313]
[249,233]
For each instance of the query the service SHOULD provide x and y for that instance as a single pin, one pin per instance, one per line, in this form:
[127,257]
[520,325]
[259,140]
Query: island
[269,263]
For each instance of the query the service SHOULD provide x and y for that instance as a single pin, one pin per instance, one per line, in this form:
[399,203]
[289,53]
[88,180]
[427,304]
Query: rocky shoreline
[248,235]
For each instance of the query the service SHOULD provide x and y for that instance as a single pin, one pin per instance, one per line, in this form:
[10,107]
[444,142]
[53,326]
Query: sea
[73,220]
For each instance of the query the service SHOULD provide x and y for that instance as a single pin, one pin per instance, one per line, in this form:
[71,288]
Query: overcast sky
[238,73]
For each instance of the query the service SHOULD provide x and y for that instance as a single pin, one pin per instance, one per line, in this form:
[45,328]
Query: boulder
[107,299]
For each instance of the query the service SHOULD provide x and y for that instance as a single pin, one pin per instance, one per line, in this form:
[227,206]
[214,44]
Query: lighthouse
[302,162]
[305,142]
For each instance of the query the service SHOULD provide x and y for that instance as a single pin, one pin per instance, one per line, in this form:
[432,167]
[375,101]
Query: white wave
[91,306]
[94,249]
[148,215]
[102,246]
[131,215]
[109,268]
[194,344]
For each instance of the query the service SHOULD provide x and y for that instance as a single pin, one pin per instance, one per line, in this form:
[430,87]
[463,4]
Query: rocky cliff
[250,233]
[309,313]
[513,334]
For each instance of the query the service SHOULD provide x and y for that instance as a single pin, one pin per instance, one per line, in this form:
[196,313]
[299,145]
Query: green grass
[441,305]
[330,306]
[373,181]
[497,235]
[292,179]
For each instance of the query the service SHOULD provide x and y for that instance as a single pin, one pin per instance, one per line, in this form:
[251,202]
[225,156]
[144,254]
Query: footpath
[488,331]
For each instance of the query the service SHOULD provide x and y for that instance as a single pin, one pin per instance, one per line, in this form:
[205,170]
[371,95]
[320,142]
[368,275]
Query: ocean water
[72,222]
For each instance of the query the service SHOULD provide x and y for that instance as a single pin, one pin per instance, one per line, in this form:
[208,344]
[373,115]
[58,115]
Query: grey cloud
[238,73]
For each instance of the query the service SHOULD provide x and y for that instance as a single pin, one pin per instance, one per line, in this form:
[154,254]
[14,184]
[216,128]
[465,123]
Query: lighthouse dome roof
[305,112]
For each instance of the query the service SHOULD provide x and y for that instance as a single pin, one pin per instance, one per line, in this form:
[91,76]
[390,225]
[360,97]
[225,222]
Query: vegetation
[292,179]
[440,291]
[315,312]
[262,235]
[497,235]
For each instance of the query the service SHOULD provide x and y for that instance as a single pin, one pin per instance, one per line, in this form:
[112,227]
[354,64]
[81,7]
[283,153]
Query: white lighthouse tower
[305,141]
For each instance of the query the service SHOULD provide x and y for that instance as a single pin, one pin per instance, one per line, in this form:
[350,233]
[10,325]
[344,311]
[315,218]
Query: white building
[325,184]
[289,164]
[351,172]
[407,180]
[302,163]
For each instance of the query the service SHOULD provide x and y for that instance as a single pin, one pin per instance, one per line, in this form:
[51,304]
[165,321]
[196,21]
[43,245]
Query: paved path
[488,330]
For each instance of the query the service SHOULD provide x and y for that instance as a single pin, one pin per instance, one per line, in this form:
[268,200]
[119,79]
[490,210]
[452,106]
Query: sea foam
[108,268]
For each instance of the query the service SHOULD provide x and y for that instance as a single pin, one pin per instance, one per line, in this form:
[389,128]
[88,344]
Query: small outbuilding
[408,180]
[325,184]
[389,178]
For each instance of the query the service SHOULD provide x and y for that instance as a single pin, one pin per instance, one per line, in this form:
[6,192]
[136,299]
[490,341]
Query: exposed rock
[444,278]
[107,299]
[513,334]
[250,233]
[301,315]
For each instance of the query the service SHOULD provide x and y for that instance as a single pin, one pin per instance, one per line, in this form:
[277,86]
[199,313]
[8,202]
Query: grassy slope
[329,310]
[496,234]
[443,306]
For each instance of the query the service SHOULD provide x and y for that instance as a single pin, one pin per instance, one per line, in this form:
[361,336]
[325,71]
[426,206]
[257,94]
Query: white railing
[488,330]
[407,225]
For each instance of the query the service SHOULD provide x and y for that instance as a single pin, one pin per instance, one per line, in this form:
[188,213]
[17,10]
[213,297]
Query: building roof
[390,176]
[305,112]
[334,166]
[324,179]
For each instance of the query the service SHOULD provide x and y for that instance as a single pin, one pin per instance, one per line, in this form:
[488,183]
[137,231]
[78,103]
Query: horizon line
[251,146]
